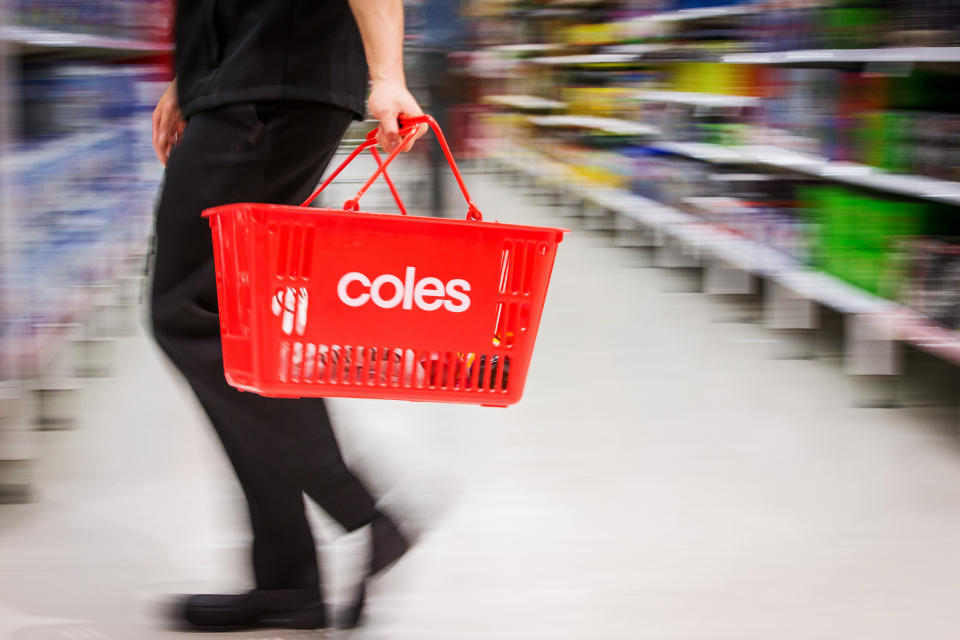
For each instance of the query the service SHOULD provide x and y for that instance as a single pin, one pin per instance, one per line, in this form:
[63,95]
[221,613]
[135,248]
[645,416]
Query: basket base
[364,394]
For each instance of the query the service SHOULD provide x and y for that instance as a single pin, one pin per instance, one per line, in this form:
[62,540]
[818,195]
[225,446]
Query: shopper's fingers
[176,134]
[389,136]
[165,130]
[172,140]
[157,117]
[414,136]
[166,144]
[157,135]
[160,148]
[167,123]
[164,151]
[412,110]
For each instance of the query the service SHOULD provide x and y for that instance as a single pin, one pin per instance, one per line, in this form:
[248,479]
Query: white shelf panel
[883,54]
[858,175]
[637,49]
[524,102]
[607,125]
[705,13]
[642,209]
[22,160]
[912,328]
[47,39]
[714,153]
[529,47]
[735,250]
[592,58]
[712,100]
[834,293]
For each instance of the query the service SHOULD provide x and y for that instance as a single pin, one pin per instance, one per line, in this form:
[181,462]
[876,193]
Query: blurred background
[741,421]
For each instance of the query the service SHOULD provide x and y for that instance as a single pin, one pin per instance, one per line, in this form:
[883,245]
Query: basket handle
[407,127]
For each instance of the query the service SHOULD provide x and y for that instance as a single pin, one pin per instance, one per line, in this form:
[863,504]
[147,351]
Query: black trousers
[280,449]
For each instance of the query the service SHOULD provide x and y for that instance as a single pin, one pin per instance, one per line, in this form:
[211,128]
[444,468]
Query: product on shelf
[61,99]
[858,237]
[924,23]
[605,101]
[80,175]
[904,125]
[933,288]
[862,118]
[149,20]
[669,179]
[763,207]
[855,24]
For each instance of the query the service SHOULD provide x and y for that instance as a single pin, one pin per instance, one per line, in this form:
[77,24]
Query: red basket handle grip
[407,127]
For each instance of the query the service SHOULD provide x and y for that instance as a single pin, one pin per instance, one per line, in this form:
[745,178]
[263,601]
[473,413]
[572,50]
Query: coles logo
[389,291]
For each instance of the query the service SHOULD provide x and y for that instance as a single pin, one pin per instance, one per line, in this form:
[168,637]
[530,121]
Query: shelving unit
[525,103]
[858,175]
[587,59]
[614,126]
[705,151]
[30,40]
[635,50]
[530,47]
[16,444]
[846,56]
[5,228]
[709,100]
[709,242]
[705,13]
[74,217]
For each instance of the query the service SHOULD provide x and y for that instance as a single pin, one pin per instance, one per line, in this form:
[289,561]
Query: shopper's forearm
[381,28]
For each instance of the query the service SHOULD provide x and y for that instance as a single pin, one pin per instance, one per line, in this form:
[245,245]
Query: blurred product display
[79,82]
[146,19]
[932,269]
[856,24]
[815,143]
[812,141]
[797,161]
[80,178]
[708,118]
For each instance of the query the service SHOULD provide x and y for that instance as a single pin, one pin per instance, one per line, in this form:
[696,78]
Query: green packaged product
[896,145]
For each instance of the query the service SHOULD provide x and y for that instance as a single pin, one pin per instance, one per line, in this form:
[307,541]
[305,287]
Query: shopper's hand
[168,124]
[388,101]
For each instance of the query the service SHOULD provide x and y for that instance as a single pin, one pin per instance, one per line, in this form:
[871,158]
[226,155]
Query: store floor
[664,478]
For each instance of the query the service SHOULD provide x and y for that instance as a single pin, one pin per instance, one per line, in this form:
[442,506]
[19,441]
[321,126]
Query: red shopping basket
[339,303]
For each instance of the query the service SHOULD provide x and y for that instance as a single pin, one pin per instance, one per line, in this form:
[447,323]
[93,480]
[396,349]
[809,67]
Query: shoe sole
[301,621]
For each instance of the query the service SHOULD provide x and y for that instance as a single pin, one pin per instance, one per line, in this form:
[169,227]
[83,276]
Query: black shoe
[280,609]
[387,545]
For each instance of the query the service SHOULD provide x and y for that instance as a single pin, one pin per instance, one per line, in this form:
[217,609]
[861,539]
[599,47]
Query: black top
[243,50]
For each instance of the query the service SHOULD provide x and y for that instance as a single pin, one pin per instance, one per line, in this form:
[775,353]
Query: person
[264,91]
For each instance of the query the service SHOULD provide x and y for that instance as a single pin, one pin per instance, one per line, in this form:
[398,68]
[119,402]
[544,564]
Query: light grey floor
[663,479]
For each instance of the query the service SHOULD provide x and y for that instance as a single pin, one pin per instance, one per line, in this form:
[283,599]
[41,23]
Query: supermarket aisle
[663,479]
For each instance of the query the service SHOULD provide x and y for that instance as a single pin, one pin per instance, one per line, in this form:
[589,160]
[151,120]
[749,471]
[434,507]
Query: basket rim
[226,209]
